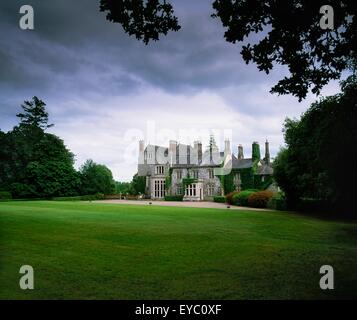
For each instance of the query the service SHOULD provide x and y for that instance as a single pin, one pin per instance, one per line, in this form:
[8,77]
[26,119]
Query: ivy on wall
[187,181]
[168,180]
[248,180]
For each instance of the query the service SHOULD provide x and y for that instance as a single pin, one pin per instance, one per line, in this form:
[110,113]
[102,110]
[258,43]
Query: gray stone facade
[168,170]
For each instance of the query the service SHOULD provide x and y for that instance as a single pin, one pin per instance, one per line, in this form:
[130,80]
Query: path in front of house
[187,204]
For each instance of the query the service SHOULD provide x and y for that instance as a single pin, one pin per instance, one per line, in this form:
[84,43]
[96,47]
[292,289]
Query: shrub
[5,195]
[241,199]
[174,198]
[91,197]
[78,198]
[220,199]
[277,202]
[97,196]
[112,196]
[131,197]
[229,196]
[260,199]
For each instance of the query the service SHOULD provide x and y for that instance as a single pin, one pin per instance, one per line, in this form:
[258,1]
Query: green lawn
[82,250]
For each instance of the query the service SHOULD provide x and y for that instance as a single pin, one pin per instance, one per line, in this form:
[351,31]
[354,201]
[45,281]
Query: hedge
[260,199]
[241,199]
[220,199]
[5,195]
[91,197]
[174,198]
[113,196]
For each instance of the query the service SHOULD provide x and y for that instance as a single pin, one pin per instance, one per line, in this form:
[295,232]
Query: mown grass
[82,250]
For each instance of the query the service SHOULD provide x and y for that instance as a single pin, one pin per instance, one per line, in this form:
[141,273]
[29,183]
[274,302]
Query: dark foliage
[289,34]
[146,20]
[174,198]
[220,199]
[96,178]
[318,162]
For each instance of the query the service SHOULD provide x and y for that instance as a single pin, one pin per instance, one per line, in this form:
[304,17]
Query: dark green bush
[97,196]
[260,199]
[277,202]
[77,198]
[5,195]
[91,197]
[241,199]
[174,198]
[220,199]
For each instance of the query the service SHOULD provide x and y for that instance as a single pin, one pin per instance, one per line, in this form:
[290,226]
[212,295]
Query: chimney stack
[240,152]
[198,151]
[227,147]
[141,151]
[267,153]
[172,151]
[255,151]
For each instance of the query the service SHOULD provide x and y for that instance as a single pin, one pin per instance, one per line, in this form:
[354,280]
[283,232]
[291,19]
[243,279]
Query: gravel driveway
[187,204]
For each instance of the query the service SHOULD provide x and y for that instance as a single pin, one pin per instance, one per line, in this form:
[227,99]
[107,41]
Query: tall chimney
[141,152]
[240,152]
[255,151]
[267,153]
[227,147]
[172,151]
[198,151]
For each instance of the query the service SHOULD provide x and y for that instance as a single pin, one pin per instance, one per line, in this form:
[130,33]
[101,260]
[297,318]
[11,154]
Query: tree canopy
[96,178]
[34,114]
[289,31]
[318,161]
[144,19]
[37,164]
[34,163]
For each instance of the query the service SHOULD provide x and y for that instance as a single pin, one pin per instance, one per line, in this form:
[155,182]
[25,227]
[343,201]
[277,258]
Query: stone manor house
[184,170]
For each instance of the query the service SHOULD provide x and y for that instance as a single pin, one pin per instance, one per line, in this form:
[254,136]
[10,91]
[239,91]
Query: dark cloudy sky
[105,91]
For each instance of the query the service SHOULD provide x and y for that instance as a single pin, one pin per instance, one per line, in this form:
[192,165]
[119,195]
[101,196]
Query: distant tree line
[37,164]
[135,187]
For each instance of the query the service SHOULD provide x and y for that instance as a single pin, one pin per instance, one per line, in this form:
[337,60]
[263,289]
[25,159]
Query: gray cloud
[90,72]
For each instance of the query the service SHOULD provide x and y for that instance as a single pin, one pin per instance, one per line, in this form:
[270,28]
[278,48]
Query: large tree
[318,162]
[34,114]
[138,185]
[96,178]
[289,31]
[34,163]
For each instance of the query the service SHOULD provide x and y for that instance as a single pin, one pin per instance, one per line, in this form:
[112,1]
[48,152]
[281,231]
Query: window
[191,190]
[179,190]
[159,188]
[179,174]
[195,174]
[210,173]
[210,190]
[160,170]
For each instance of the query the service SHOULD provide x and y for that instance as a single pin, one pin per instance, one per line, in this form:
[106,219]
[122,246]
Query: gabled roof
[265,169]
[241,163]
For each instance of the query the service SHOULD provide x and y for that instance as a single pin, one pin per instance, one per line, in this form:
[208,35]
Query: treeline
[135,187]
[37,164]
[316,170]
